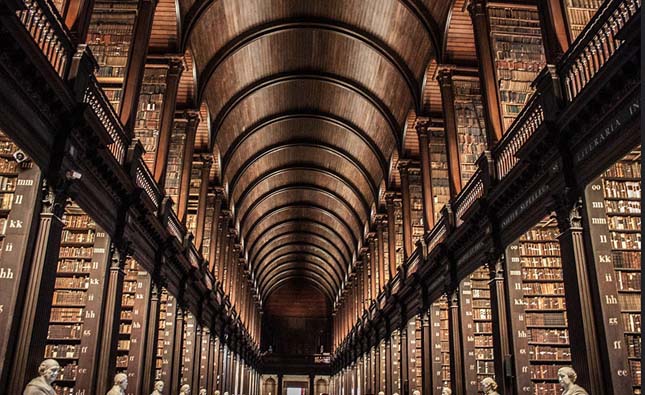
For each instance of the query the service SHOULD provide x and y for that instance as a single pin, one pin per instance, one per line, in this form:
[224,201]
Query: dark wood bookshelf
[540,331]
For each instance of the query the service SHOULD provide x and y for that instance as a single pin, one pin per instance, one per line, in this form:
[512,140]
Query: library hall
[320,197]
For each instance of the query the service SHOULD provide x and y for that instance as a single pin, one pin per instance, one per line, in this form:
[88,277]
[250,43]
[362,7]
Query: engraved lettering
[6,274]
[610,299]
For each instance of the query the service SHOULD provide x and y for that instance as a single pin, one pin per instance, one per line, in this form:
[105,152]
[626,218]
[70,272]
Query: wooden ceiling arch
[300,174]
[323,78]
[415,7]
[303,269]
[309,102]
[299,225]
[304,211]
[307,194]
[305,154]
[295,124]
[298,24]
[303,238]
[294,275]
[317,262]
[301,253]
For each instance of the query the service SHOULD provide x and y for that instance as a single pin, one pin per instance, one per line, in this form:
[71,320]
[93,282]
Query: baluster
[576,80]
[609,39]
[590,62]
[599,50]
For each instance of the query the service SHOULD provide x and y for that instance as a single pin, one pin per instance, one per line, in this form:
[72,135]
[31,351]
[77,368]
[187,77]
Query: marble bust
[184,390]
[567,378]
[490,386]
[446,391]
[158,388]
[120,384]
[42,385]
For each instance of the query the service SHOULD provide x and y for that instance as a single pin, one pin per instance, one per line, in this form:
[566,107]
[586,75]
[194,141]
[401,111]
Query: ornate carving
[569,216]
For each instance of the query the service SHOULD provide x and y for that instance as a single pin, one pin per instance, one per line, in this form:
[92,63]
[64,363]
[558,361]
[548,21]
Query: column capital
[380,220]
[207,161]
[218,191]
[191,114]
[175,65]
[445,73]
[390,197]
[568,216]
[476,7]
[422,125]
[404,165]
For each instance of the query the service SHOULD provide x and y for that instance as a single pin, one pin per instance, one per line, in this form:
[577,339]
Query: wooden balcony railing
[595,45]
[46,27]
[174,227]
[437,234]
[145,181]
[522,128]
[473,191]
[95,98]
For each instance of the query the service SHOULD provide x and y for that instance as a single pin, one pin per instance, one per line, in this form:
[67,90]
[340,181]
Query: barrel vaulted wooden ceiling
[308,105]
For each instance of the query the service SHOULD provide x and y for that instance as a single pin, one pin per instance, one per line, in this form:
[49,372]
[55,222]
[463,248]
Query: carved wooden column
[553,23]
[408,245]
[136,63]
[207,162]
[391,233]
[580,308]
[112,312]
[364,281]
[223,244]
[189,150]
[78,14]
[380,226]
[232,372]
[197,356]
[227,252]
[369,374]
[426,174]
[501,329]
[209,367]
[169,339]
[152,335]
[374,258]
[388,365]
[219,383]
[225,367]
[167,117]
[31,337]
[378,386]
[405,360]
[280,384]
[178,347]
[233,267]
[217,207]
[444,77]
[212,364]
[426,353]
[487,76]
[456,350]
